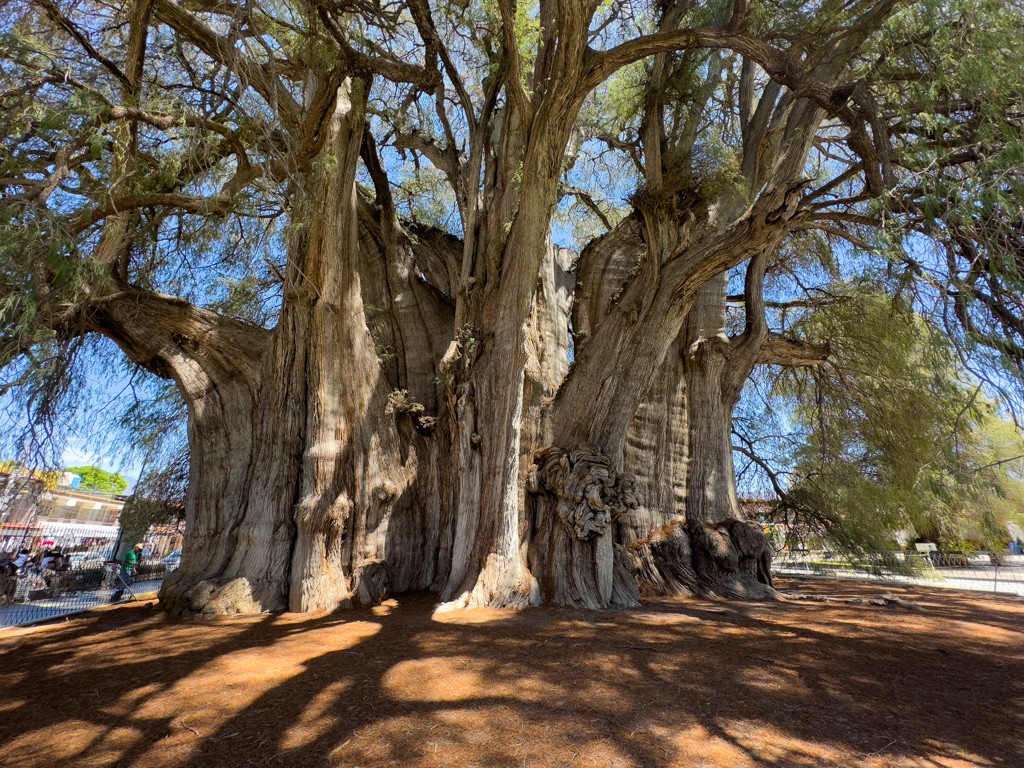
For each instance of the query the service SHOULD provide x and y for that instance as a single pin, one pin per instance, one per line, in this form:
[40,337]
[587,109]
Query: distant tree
[96,479]
[159,499]
[889,434]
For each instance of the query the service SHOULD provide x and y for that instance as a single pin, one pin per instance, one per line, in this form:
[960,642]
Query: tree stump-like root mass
[576,498]
[730,559]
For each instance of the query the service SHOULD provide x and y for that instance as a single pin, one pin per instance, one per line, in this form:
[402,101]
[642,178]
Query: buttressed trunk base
[730,559]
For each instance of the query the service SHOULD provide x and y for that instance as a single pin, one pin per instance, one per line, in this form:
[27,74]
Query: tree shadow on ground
[677,682]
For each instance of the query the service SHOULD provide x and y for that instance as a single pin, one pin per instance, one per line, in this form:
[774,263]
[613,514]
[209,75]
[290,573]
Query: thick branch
[203,206]
[223,50]
[785,350]
[780,66]
[428,147]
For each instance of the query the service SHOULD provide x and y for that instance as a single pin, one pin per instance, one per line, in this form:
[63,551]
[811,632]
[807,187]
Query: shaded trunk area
[714,551]
[333,454]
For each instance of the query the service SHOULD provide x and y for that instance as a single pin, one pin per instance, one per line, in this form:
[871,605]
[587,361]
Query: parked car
[173,560]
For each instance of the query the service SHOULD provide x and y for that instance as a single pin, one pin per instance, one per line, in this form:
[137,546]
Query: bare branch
[587,200]
[51,10]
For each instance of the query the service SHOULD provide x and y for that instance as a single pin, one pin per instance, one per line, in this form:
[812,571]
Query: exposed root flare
[885,601]
[501,584]
[575,497]
[730,559]
[206,600]
[210,598]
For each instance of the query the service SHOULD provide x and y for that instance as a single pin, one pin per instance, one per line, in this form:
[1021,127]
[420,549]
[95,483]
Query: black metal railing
[74,573]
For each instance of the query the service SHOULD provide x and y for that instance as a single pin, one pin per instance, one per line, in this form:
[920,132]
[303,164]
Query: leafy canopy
[891,435]
[96,479]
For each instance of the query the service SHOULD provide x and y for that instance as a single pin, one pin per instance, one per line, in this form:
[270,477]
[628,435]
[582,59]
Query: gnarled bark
[329,468]
[730,559]
[576,497]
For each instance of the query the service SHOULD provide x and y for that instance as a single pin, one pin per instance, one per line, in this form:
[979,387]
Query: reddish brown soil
[676,683]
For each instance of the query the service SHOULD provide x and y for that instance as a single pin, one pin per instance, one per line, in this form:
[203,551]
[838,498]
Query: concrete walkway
[49,608]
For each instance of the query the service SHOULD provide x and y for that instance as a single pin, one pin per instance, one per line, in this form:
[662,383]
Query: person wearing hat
[128,565]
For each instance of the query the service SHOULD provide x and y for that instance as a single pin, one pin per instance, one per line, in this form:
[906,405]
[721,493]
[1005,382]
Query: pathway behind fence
[982,572]
[84,577]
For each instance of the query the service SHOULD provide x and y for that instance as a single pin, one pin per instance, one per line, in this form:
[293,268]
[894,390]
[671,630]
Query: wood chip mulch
[918,677]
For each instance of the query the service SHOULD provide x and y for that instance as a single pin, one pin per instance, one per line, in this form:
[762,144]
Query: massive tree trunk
[657,454]
[329,469]
[217,364]
[348,497]
[715,551]
[730,556]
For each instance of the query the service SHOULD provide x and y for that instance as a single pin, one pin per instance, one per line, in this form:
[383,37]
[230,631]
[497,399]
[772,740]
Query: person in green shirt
[132,558]
[128,566]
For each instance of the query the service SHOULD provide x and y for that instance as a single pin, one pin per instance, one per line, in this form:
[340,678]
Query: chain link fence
[65,571]
[983,572]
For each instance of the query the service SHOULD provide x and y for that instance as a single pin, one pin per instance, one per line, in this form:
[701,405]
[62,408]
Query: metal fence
[983,572]
[67,573]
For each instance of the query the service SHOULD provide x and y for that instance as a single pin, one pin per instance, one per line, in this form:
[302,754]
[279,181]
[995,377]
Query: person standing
[131,560]
[128,567]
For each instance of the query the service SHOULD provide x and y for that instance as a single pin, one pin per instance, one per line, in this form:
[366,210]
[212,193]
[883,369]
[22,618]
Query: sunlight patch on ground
[800,685]
[472,615]
[421,680]
[66,740]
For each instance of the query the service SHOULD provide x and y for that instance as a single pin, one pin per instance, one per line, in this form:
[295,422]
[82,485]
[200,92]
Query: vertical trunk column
[729,556]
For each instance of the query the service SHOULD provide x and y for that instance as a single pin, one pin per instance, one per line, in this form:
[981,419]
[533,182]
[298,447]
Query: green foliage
[159,499]
[425,196]
[96,479]
[960,140]
[893,437]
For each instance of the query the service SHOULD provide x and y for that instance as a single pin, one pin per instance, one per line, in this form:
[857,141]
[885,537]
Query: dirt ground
[679,682]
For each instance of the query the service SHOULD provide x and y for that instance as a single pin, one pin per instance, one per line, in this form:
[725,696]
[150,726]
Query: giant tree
[400,413]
